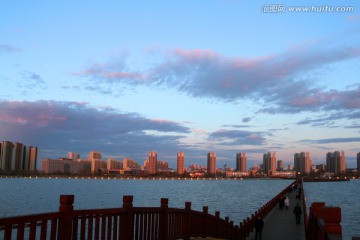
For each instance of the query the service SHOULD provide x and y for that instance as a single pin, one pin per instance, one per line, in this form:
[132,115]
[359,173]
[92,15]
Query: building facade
[17,157]
[241,162]
[302,163]
[73,156]
[269,163]
[280,166]
[113,164]
[152,164]
[162,165]
[336,162]
[211,163]
[96,162]
[180,163]
[62,165]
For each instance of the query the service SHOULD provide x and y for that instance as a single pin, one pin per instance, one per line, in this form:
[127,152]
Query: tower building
[336,162]
[152,165]
[269,163]
[302,162]
[180,163]
[211,163]
[241,162]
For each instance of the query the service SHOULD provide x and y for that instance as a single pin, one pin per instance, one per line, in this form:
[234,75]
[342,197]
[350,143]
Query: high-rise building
[358,162]
[17,157]
[17,161]
[112,164]
[279,165]
[32,154]
[94,155]
[96,162]
[152,164]
[73,156]
[269,163]
[211,163]
[302,162]
[336,162]
[180,163]
[129,164]
[6,152]
[62,166]
[162,165]
[241,162]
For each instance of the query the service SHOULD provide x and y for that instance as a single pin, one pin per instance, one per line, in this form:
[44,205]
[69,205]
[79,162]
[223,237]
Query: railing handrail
[25,218]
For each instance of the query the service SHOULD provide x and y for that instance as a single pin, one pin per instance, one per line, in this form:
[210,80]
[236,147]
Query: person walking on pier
[287,202]
[297,212]
[258,224]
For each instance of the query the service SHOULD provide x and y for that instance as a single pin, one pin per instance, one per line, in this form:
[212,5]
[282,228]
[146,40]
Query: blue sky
[128,77]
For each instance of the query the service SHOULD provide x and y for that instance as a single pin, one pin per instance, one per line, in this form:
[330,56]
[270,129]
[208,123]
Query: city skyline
[124,78]
[16,157]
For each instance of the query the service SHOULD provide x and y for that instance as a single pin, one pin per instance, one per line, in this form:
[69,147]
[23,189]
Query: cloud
[238,137]
[329,119]
[9,49]
[247,119]
[272,80]
[332,140]
[237,126]
[353,17]
[31,81]
[59,127]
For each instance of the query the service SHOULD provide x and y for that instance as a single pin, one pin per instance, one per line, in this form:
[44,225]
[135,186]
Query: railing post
[242,235]
[126,223]
[332,219]
[227,227]
[163,228]
[314,215]
[248,226]
[187,225]
[65,222]
[205,216]
[217,216]
[252,221]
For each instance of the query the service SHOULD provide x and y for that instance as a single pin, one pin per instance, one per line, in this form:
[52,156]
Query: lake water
[236,199]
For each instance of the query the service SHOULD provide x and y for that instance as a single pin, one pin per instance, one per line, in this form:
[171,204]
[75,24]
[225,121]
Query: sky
[227,76]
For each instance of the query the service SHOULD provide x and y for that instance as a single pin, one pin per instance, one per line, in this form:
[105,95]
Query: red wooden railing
[129,222]
[324,222]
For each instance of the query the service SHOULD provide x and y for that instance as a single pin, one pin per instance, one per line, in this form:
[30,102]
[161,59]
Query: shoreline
[305,179]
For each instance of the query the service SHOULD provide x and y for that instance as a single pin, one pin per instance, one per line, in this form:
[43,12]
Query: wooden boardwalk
[281,225]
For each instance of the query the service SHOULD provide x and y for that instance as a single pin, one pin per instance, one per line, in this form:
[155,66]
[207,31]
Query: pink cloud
[353,17]
[197,54]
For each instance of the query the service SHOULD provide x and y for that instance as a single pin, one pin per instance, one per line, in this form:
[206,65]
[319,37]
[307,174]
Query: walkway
[280,224]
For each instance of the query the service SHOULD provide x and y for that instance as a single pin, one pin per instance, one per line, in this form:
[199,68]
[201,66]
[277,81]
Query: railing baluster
[8,232]
[53,229]
[32,235]
[20,231]
[109,226]
[75,228]
[90,227]
[97,226]
[140,219]
[82,227]
[103,226]
[43,230]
